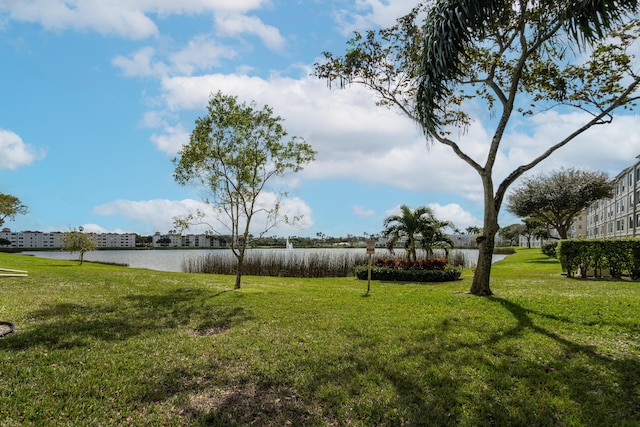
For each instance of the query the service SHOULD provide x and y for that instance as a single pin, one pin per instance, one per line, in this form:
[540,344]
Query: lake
[174,259]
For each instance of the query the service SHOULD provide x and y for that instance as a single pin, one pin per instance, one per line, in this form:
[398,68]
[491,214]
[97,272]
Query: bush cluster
[399,270]
[403,264]
[620,256]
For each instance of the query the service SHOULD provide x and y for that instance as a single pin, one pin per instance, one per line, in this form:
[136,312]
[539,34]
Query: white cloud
[373,13]
[200,53]
[140,63]
[232,25]
[607,148]
[356,140]
[159,213]
[172,140]
[125,18]
[454,213]
[14,152]
[362,211]
[353,138]
[95,228]
[100,16]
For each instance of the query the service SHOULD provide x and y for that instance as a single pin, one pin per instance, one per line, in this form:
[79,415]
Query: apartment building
[618,216]
[114,240]
[32,239]
[174,240]
[42,240]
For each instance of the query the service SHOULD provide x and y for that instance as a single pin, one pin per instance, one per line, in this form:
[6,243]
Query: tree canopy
[10,206]
[440,64]
[512,232]
[77,241]
[557,198]
[233,153]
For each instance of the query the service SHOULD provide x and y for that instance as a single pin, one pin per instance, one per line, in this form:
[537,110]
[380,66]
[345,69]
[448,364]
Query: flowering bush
[411,275]
[422,270]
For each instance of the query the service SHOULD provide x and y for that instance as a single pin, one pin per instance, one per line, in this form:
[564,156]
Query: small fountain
[289,244]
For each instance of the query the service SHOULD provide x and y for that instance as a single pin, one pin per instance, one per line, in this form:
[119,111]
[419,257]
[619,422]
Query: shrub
[445,274]
[620,256]
[549,249]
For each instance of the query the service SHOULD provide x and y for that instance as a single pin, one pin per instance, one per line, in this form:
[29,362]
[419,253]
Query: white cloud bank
[124,18]
[159,213]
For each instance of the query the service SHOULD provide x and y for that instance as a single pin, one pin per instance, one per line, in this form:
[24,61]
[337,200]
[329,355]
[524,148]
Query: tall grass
[279,264]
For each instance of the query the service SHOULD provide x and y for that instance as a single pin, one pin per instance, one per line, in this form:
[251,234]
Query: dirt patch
[208,331]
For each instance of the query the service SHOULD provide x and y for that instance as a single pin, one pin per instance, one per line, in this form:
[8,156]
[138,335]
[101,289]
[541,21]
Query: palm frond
[452,25]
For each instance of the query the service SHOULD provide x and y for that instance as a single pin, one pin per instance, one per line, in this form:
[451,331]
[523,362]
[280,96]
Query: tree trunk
[239,268]
[481,278]
[486,242]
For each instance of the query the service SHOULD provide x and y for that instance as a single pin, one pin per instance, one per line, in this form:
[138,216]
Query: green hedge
[620,256]
[395,275]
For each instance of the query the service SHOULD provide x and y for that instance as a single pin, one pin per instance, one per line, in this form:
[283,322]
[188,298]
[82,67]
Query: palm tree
[417,226]
[432,237]
[408,226]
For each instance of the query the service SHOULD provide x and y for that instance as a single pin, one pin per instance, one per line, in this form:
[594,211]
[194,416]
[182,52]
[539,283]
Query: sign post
[371,249]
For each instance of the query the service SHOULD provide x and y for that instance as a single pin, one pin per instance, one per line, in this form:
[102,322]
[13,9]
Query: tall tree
[10,206]
[233,153]
[517,54]
[433,236]
[512,232]
[517,57]
[557,198]
[532,228]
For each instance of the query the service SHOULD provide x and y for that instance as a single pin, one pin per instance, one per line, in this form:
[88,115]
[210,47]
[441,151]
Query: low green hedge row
[394,275]
[620,256]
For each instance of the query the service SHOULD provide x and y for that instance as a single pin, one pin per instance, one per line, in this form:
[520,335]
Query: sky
[98,96]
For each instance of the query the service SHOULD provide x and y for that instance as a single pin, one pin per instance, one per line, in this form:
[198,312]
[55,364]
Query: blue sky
[97,96]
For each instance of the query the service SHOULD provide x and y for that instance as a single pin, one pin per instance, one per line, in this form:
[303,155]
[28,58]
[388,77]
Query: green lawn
[106,345]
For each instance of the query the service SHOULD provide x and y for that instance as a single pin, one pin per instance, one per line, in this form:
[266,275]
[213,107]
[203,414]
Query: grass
[106,345]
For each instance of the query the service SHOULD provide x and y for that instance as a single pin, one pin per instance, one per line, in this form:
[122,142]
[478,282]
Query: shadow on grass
[452,373]
[447,371]
[543,261]
[599,384]
[68,325]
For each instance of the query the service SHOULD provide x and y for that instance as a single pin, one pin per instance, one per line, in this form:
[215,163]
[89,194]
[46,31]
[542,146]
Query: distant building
[169,240]
[618,216]
[32,239]
[53,240]
[114,240]
[174,240]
